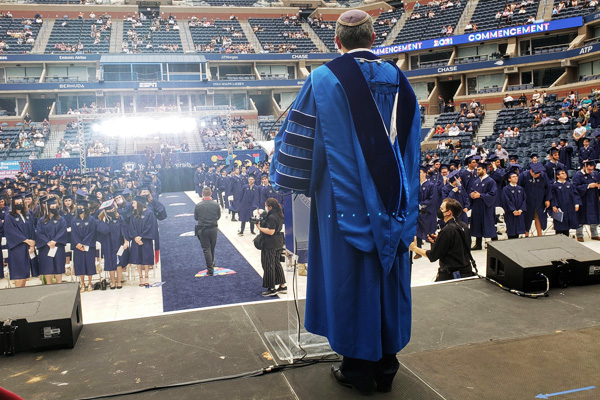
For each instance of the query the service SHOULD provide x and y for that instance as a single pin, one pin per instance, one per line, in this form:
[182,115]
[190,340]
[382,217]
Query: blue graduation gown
[248,203]
[565,155]
[498,177]
[467,178]
[143,226]
[428,205]
[483,209]
[266,192]
[538,191]
[111,238]
[333,147]
[459,195]
[198,182]
[84,231]
[16,230]
[565,197]
[589,208]
[551,168]
[235,190]
[586,154]
[513,199]
[56,230]
[126,211]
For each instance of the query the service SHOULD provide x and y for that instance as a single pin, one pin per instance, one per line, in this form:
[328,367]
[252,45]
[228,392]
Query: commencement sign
[474,37]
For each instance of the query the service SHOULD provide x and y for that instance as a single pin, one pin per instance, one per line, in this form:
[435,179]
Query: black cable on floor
[251,374]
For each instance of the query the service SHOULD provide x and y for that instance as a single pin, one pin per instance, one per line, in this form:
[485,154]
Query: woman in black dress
[271,250]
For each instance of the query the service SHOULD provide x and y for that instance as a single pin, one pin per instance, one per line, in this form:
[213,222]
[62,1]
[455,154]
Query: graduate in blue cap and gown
[455,190]
[266,191]
[514,203]
[141,232]
[469,173]
[248,203]
[565,153]
[222,182]
[19,229]
[83,244]
[351,142]
[566,199]
[199,177]
[587,183]
[112,230]
[51,233]
[553,164]
[586,152]
[483,194]
[235,192]
[428,205]
[539,193]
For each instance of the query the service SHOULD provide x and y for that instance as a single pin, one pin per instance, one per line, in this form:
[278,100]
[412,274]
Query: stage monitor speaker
[517,263]
[40,318]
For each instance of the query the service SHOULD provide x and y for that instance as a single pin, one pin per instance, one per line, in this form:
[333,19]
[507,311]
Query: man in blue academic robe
[428,205]
[248,204]
[514,203]
[565,199]
[553,165]
[235,190]
[199,177]
[266,191]
[565,153]
[586,181]
[539,193]
[351,143]
[455,190]
[483,194]
[222,182]
[469,174]
[586,152]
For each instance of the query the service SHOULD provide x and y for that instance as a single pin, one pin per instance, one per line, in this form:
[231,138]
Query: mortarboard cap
[140,199]
[82,194]
[453,175]
[533,155]
[424,168]
[107,204]
[28,194]
[493,157]
[443,166]
[482,164]
[51,201]
[552,150]
[589,162]
[537,168]
[513,157]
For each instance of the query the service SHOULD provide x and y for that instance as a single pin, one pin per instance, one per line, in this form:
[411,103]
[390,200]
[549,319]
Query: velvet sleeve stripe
[292,182]
[295,162]
[300,118]
[295,139]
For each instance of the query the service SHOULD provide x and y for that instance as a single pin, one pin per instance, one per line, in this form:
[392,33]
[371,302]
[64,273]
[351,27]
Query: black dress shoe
[384,388]
[341,379]
[476,248]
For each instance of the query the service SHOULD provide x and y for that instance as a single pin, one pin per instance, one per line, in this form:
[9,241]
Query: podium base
[290,346]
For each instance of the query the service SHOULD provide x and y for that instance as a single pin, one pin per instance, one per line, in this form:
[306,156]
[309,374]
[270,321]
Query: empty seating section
[282,35]
[325,30]
[17,35]
[567,10]
[268,126]
[424,28]
[80,36]
[385,23]
[494,14]
[151,36]
[445,120]
[219,37]
[493,89]
[512,88]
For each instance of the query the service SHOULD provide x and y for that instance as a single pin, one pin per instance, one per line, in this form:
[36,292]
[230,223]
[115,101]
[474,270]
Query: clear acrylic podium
[296,342]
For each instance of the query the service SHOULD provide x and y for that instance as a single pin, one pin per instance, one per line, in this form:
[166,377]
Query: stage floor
[471,340]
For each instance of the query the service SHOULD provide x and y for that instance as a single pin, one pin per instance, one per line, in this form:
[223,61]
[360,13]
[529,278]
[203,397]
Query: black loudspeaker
[519,263]
[40,318]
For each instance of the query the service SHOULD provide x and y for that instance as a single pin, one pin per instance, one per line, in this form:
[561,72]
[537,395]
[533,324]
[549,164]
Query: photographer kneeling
[450,246]
[270,227]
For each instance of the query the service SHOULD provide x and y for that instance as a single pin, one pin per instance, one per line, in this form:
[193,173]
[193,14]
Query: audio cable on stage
[251,374]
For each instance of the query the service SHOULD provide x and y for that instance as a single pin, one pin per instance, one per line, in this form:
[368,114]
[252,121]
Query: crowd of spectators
[31,136]
[221,43]
[99,31]
[135,42]
[429,13]
[320,23]
[24,35]
[563,5]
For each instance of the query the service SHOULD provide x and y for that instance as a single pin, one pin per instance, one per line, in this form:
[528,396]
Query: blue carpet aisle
[182,259]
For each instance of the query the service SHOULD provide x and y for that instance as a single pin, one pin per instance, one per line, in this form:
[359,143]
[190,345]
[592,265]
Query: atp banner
[474,37]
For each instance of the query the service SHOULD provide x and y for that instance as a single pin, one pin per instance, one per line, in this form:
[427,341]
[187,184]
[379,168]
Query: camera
[258,216]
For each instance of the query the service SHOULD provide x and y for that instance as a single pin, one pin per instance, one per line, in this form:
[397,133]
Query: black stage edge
[471,340]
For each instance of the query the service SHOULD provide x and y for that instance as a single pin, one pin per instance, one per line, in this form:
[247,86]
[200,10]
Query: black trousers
[243,227]
[362,373]
[208,241]
[220,194]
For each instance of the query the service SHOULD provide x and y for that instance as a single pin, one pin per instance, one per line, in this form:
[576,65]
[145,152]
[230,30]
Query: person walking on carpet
[207,213]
